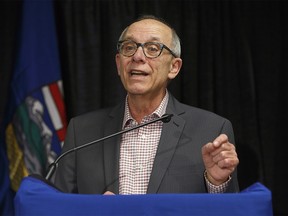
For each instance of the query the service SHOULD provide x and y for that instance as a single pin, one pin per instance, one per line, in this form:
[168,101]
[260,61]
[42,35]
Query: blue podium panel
[35,197]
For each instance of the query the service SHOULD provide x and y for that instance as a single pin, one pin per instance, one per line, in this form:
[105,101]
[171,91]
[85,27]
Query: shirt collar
[161,109]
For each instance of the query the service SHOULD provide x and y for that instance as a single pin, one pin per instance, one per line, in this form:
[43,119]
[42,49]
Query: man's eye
[153,48]
[129,47]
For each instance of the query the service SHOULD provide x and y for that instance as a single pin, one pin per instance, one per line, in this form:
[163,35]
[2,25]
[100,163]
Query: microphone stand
[164,118]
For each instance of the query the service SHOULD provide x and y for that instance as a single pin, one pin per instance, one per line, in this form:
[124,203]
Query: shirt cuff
[216,188]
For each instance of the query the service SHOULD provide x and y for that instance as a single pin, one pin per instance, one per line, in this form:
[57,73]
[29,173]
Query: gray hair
[176,45]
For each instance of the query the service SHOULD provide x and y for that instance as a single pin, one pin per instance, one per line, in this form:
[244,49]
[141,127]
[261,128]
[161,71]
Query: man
[193,153]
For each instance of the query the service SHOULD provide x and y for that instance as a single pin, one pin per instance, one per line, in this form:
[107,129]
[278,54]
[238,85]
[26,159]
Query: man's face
[141,75]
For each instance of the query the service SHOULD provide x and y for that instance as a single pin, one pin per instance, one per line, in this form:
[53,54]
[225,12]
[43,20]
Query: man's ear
[117,60]
[175,68]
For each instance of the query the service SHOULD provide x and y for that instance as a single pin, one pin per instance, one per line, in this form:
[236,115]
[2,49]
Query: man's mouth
[138,73]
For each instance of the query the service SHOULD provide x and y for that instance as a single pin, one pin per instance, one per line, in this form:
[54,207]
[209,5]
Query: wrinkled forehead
[149,30]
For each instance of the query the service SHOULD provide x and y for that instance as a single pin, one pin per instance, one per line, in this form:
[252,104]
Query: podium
[35,197]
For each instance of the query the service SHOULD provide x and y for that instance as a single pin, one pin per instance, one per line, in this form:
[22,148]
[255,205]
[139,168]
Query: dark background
[234,63]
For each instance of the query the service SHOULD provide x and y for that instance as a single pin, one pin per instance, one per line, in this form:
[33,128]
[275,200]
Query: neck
[141,106]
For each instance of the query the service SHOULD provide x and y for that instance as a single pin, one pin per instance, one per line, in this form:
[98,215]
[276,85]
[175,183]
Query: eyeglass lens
[150,49]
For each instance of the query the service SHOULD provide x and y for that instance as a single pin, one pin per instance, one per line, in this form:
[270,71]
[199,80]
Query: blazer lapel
[171,133]
[112,150]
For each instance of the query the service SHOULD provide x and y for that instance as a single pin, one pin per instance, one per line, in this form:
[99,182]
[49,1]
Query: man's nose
[139,54]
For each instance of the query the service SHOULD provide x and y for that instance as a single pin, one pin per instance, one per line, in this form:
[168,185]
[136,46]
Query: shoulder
[92,115]
[188,111]
[198,118]
[201,123]
[98,116]
[195,111]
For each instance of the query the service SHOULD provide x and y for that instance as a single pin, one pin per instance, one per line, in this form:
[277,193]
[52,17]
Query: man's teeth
[138,73]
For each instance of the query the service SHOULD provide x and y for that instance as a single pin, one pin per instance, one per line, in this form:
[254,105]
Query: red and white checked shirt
[138,149]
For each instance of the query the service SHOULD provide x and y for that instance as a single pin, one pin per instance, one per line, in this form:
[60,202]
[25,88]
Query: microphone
[164,118]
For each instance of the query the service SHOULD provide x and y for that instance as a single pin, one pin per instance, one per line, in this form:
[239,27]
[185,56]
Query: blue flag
[35,123]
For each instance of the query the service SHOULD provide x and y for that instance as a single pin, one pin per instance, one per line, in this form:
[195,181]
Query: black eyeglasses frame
[162,46]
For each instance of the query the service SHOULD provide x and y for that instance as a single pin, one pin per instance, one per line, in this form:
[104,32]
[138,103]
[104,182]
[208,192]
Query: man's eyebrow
[155,39]
[150,39]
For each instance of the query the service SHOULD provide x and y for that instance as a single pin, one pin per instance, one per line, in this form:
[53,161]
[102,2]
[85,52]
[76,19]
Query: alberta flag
[36,123]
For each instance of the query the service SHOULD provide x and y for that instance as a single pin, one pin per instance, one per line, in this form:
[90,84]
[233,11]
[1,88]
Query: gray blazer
[178,165]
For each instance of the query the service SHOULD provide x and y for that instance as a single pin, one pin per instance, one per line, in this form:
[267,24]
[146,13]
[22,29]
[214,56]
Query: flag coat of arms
[35,123]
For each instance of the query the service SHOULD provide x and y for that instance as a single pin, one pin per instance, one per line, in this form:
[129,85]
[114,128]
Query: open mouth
[138,73]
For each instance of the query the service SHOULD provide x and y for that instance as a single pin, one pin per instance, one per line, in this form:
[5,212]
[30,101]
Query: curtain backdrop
[234,63]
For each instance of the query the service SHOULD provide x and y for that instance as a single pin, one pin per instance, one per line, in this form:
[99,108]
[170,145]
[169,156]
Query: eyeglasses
[150,49]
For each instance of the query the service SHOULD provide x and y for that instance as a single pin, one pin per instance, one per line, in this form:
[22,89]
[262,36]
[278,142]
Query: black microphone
[164,118]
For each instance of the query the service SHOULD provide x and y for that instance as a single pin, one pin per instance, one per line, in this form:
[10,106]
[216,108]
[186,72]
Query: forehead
[149,30]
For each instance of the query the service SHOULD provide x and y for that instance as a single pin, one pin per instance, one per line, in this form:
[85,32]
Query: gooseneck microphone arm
[164,118]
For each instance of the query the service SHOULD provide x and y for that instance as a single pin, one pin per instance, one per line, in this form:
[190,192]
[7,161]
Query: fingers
[226,159]
[221,143]
[220,152]
[220,159]
[224,149]
[220,140]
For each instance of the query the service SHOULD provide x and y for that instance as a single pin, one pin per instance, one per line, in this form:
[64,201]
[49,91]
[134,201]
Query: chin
[136,89]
